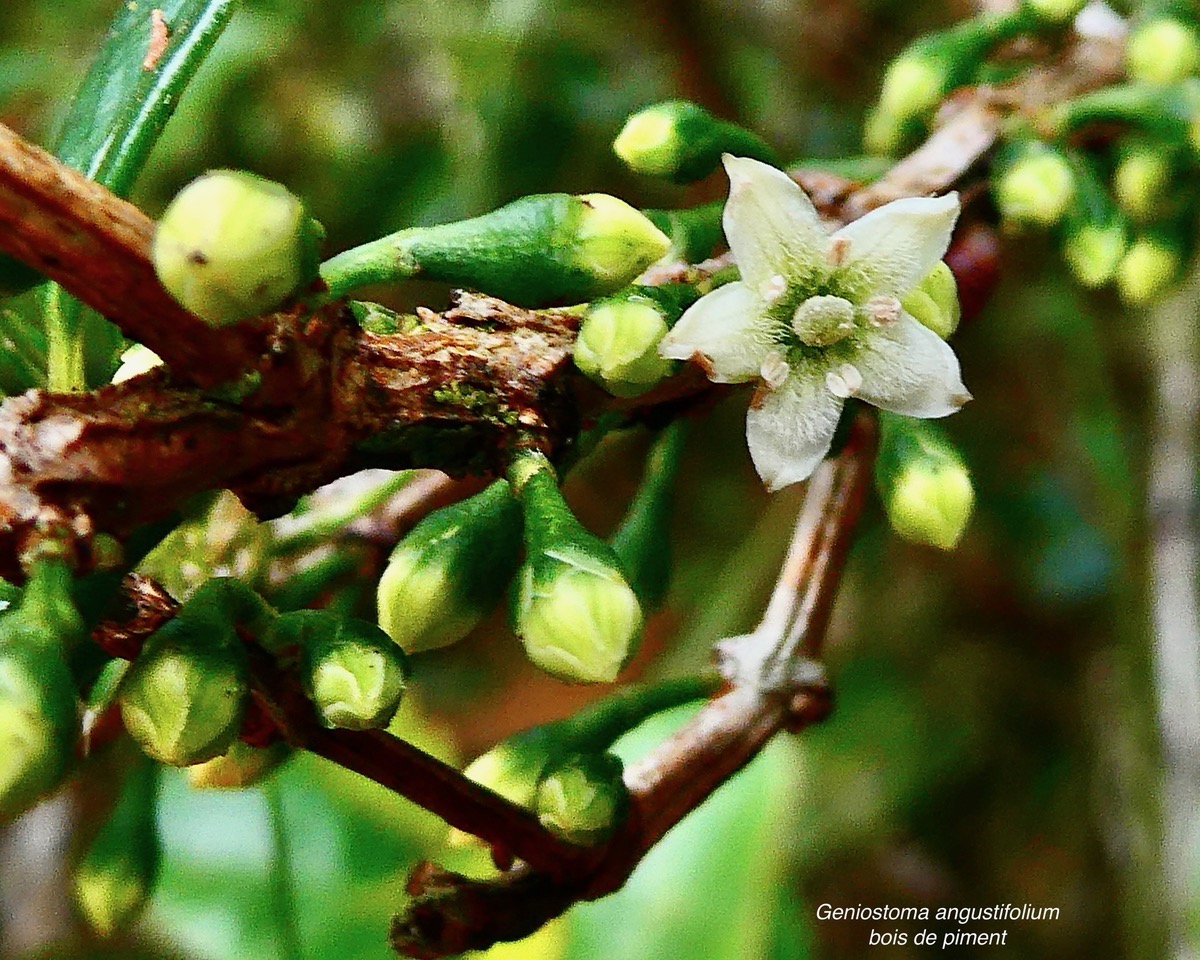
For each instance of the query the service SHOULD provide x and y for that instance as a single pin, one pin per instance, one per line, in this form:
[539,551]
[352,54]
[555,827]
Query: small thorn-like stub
[232,245]
[934,301]
[844,380]
[822,320]
[1037,187]
[135,361]
[1162,51]
[617,346]
[775,370]
[583,798]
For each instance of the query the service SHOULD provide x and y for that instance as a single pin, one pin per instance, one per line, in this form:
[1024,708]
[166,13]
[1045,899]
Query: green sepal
[583,798]
[451,570]
[116,875]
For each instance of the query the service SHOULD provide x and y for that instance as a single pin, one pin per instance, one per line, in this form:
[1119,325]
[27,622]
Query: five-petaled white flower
[817,318]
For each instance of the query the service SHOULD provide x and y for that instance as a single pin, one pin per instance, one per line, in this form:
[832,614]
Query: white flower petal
[723,328]
[771,225]
[908,369]
[892,248]
[791,429]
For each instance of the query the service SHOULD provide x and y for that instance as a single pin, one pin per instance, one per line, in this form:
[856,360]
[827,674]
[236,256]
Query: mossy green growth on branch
[232,245]
[543,250]
[450,570]
[573,609]
[681,142]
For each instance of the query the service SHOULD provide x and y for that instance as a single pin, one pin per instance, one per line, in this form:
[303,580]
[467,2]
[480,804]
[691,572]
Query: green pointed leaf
[122,107]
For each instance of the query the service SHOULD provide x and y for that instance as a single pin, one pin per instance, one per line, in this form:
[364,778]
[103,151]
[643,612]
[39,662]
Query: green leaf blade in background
[121,109]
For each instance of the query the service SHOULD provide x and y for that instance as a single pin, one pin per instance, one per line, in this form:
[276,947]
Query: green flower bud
[584,798]
[1141,180]
[1036,186]
[232,245]
[1055,11]
[1152,265]
[240,766]
[934,301]
[38,719]
[352,672]
[1162,50]
[682,142]
[923,482]
[617,345]
[913,83]
[135,361]
[450,570]
[577,616]
[537,251]
[184,697]
[1093,251]
[114,879]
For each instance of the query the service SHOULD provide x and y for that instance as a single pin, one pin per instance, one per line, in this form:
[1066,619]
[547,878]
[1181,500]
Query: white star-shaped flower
[817,318]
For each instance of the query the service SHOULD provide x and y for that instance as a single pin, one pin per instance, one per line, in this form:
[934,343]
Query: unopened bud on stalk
[583,798]
[116,876]
[451,570]
[923,482]
[1055,11]
[934,301]
[352,672]
[1036,186]
[1094,251]
[1162,50]
[618,342]
[240,766]
[232,245]
[543,250]
[184,697]
[681,141]
[1141,179]
[573,609]
[1152,265]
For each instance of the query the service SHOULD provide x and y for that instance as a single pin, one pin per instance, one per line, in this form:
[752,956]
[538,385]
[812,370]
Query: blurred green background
[994,738]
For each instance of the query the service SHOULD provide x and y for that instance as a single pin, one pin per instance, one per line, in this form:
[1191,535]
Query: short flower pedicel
[817,318]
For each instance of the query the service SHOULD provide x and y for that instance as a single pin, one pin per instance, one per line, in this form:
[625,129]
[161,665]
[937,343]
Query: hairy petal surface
[907,368]
[892,248]
[772,227]
[790,431]
[725,328]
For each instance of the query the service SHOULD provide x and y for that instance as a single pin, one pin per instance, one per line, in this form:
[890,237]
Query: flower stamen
[844,380]
[883,311]
[774,370]
[773,289]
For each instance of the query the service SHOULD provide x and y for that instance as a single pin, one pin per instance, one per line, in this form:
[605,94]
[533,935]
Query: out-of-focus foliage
[991,741]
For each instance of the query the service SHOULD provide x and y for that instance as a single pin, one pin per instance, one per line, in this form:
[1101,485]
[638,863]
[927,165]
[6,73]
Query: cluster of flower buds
[232,245]
[543,250]
[680,141]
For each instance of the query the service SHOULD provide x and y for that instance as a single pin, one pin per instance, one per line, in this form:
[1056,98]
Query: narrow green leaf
[128,96]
